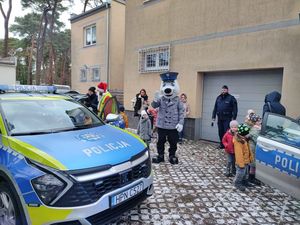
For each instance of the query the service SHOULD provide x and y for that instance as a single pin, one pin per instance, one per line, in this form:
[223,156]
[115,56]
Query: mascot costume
[170,117]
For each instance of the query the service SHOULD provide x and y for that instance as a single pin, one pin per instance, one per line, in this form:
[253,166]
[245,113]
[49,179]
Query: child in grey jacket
[144,128]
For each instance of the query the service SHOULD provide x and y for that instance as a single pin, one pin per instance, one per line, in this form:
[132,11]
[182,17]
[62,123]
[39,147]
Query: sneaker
[173,160]
[158,159]
[247,184]
[255,182]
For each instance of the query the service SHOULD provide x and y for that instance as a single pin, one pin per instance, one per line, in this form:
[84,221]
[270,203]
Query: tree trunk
[6,21]
[51,50]
[85,5]
[40,45]
[29,72]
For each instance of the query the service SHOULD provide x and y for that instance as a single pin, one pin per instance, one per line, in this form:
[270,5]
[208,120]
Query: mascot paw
[158,159]
[173,159]
[179,127]
[157,96]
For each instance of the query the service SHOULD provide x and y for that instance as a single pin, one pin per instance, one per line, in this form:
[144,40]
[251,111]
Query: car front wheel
[10,212]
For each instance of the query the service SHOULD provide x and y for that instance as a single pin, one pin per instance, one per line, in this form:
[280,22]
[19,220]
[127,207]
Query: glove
[179,127]
[156,96]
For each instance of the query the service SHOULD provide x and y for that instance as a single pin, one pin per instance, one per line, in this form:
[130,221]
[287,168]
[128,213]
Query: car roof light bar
[27,88]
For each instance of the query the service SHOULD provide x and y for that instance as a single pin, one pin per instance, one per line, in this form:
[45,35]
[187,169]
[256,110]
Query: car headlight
[48,187]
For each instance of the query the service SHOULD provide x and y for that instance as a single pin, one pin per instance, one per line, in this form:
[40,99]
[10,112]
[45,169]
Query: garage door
[249,88]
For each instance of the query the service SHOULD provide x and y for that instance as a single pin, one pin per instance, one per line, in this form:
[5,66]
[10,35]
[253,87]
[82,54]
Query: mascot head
[169,86]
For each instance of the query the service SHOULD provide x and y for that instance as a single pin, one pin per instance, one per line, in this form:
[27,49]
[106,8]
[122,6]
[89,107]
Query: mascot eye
[173,84]
[164,84]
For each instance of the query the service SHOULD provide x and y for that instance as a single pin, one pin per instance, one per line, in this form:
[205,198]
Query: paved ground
[196,192]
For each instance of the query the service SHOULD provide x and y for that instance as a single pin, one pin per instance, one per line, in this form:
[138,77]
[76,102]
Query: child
[123,114]
[247,118]
[227,141]
[253,135]
[243,156]
[187,110]
[144,127]
[153,113]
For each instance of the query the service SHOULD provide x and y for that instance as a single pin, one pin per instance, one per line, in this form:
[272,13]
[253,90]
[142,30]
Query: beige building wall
[116,46]
[213,35]
[107,53]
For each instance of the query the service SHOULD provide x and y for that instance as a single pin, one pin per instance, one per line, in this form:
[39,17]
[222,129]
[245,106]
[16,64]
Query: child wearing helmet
[255,123]
[243,156]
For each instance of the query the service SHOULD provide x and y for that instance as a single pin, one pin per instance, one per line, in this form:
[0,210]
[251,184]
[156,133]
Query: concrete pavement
[196,192]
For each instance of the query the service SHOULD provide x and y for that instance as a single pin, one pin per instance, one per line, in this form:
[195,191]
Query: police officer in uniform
[226,110]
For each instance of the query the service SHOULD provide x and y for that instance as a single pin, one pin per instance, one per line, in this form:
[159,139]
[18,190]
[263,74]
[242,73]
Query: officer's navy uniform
[226,110]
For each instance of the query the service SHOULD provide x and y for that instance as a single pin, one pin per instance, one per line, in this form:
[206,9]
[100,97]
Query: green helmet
[243,129]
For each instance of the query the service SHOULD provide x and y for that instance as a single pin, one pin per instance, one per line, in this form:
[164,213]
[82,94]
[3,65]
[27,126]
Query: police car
[61,165]
[278,153]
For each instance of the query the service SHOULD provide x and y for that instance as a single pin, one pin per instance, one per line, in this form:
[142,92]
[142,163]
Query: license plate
[127,194]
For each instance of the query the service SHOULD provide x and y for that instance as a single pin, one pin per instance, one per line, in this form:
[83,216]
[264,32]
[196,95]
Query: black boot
[158,159]
[253,180]
[247,184]
[173,159]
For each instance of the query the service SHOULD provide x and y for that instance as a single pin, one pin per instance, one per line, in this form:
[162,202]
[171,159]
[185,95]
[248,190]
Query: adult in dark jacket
[92,99]
[141,102]
[272,103]
[226,110]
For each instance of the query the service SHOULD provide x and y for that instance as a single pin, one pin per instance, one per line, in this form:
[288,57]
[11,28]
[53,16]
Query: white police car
[61,165]
[278,153]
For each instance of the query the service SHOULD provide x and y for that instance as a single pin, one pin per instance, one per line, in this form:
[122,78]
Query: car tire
[11,212]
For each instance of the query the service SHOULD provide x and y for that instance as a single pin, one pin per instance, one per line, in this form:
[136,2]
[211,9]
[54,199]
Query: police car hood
[81,149]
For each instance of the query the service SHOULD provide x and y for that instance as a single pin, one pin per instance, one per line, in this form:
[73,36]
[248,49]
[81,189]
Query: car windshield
[25,117]
[283,129]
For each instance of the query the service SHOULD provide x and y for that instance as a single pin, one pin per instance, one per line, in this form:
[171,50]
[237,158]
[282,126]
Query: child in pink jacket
[227,141]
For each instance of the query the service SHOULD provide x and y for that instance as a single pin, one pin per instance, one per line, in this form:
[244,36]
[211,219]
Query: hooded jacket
[274,105]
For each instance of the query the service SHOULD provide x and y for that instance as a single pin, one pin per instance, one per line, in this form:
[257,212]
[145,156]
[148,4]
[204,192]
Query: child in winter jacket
[227,141]
[243,156]
[124,115]
[144,128]
[253,135]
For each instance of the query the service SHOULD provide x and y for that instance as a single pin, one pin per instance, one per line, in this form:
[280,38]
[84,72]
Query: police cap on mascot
[170,117]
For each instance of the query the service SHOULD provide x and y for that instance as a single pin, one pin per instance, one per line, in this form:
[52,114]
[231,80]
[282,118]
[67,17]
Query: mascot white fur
[170,117]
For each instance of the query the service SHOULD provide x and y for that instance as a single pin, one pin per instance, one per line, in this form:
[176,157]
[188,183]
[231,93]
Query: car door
[278,154]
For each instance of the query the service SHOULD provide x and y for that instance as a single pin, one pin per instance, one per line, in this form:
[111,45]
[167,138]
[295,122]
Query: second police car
[61,165]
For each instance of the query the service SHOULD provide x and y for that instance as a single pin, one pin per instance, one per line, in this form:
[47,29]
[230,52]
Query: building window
[154,59]
[83,75]
[90,35]
[96,74]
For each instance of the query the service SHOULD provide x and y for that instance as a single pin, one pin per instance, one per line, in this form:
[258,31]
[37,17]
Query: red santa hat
[102,86]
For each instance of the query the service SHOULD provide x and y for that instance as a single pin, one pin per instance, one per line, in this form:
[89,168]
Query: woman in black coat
[141,101]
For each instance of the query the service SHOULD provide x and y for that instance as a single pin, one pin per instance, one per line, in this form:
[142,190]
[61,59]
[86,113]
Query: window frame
[93,33]
[83,79]
[157,55]
[93,74]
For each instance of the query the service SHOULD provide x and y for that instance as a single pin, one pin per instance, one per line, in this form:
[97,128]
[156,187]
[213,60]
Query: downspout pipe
[107,3]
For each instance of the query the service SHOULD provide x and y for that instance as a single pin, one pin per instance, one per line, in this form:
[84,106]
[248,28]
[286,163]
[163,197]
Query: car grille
[83,193]
[110,215]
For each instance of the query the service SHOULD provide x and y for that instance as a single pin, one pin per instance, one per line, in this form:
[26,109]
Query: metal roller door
[249,88]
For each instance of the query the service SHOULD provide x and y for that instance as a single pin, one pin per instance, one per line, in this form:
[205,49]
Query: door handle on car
[266,147]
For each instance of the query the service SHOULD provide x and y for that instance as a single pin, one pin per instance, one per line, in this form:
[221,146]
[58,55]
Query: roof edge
[90,12]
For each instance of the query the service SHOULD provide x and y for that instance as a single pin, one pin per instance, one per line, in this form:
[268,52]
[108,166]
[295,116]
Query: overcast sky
[18,11]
